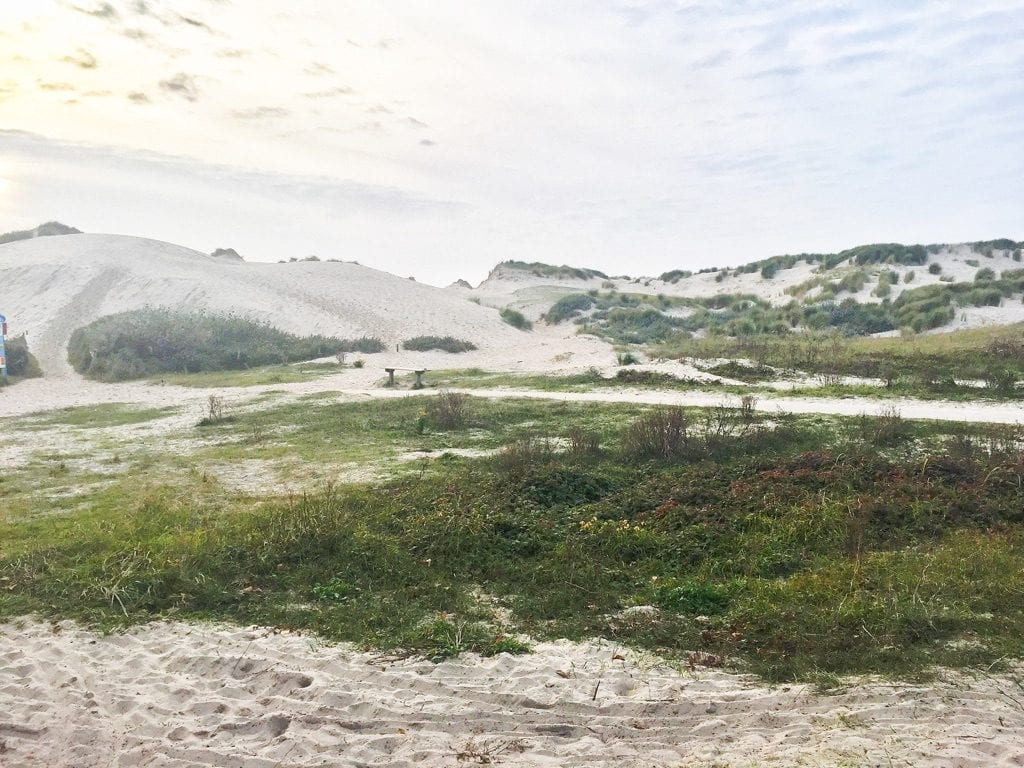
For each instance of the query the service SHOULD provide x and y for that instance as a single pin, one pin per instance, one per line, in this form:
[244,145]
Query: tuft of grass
[516,319]
[443,343]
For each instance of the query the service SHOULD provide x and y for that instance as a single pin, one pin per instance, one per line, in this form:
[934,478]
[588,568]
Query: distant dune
[53,285]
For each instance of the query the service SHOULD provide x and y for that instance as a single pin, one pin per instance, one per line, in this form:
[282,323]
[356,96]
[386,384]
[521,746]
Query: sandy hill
[533,288]
[51,286]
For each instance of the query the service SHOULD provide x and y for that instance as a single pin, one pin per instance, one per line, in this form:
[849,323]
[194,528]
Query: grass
[270,374]
[93,416]
[794,547]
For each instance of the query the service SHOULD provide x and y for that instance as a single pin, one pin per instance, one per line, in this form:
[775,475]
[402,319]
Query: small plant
[337,590]
[626,358]
[516,319]
[747,405]
[583,442]
[934,268]
[213,412]
[449,410]
[661,435]
[358,363]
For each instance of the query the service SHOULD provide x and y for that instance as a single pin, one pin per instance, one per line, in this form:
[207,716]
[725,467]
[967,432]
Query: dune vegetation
[148,342]
[796,547]
[21,363]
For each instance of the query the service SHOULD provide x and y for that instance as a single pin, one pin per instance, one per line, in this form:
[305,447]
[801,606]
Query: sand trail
[183,695]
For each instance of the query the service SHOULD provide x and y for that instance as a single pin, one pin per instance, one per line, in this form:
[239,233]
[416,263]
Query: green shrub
[516,319]
[21,363]
[675,275]
[934,268]
[909,277]
[149,342]
[443,343]
[661,435]
[984,274]
[568,307]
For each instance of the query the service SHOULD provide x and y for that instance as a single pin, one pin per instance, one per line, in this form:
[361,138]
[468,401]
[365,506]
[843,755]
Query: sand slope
[50,286]
[186,696]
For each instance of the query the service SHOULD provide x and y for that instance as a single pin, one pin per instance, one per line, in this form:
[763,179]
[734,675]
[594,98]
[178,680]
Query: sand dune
[52,285]
[186,696]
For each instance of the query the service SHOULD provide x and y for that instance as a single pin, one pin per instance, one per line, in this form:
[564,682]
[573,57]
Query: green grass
[92,416]
[796,547]
[270,374]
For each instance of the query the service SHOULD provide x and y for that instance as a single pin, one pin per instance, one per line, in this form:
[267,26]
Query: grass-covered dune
[795,547]
[148,342]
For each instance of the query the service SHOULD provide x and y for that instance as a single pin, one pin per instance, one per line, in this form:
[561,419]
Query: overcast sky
[436,138]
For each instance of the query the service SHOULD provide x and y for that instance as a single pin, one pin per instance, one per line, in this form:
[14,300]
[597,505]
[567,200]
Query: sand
[197,695]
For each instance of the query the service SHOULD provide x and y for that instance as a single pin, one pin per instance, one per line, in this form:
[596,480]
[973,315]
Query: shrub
[769,270]
[626,358]
[443,343]
[675,275]
[449,410]
[568,307]
[934,268]
[20,362]
[984,275]
[909,277]
[516,319]
[148,342]
[661,435]
[43,230]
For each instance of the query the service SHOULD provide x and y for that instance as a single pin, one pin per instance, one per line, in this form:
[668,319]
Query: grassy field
[796,547]
[268,374]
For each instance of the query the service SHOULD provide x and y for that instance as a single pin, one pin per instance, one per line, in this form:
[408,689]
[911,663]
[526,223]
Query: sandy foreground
[197,695]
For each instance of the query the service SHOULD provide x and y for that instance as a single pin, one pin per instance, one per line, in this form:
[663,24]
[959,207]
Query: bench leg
[391,378]
[419,381]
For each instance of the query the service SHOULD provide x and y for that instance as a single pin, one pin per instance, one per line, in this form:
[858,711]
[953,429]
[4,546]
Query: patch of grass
[270,374]
[442,343]
[94,416]
[516,319]
[792,547]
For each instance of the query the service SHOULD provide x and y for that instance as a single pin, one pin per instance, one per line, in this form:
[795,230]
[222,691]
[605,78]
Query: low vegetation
[516,319]
[798,548]
[548,270]
[48,229]
[149,342]
[21,363]
[442,343]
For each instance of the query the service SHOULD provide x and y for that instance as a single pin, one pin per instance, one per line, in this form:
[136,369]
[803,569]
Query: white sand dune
[182,696]
[51,286]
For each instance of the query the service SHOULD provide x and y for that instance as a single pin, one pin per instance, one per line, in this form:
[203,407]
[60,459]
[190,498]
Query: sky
[435,138]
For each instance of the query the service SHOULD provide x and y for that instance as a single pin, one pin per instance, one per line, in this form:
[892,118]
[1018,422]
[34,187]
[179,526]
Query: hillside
[54,285]
[49,229]
[868,289]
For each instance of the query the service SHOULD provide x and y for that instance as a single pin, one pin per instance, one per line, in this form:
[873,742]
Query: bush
[449,410]
[148,342]
[626,358]
[568,307]
[934,268]
[516,319]
[443,343]
[984,275]
[43,230]
[20,362]
[661,435]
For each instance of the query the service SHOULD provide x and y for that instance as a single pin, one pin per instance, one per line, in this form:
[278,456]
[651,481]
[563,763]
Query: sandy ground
[186,696]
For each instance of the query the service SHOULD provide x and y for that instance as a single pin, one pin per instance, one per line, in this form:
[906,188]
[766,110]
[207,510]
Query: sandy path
[178,695]
[54,393]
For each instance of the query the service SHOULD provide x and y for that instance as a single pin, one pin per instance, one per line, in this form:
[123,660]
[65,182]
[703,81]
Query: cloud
[100,11]
[261,113]
[334,193]
[82,58]
[341,90]
[56,86]
[194,22]
[181,85]
[791,70]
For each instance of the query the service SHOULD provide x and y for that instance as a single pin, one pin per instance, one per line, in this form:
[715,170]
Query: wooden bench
[418,371]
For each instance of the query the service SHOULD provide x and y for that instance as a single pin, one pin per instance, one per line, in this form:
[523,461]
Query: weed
[449,410]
